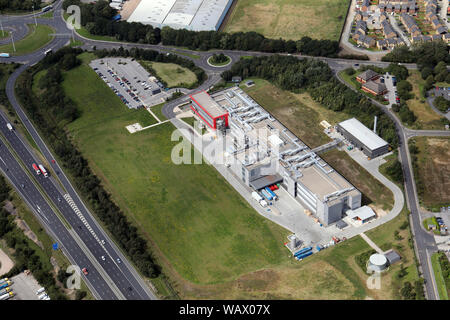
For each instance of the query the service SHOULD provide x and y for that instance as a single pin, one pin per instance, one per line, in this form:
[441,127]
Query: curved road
[424,241]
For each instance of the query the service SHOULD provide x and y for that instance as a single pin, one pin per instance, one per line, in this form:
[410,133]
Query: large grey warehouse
[265,152]
[363,138]
[196,15]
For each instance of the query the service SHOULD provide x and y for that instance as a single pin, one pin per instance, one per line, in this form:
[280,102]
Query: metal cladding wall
[368,152]
[205,116]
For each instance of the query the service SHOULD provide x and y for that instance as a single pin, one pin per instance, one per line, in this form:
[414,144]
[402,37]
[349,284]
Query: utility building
[209,111]
[362,137]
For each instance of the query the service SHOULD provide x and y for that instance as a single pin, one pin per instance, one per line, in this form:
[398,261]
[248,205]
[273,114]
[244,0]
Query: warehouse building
[261,152]
[196,15]
[362,137]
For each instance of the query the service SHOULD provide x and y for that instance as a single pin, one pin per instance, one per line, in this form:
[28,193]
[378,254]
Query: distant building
[363,138]
[196,15]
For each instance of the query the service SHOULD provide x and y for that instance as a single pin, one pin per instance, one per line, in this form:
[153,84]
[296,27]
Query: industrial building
[362,137]
[209,111]
[261,152]
[196,15]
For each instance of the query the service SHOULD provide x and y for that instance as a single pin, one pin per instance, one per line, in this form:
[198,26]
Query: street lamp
[35,22]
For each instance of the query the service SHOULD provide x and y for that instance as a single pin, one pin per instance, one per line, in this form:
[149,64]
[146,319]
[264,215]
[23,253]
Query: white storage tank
[377,262]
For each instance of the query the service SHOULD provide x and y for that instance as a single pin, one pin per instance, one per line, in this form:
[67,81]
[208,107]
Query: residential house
[441,30]
[365,5]
[446,37]
[388,31]
[361,26]
[382,44]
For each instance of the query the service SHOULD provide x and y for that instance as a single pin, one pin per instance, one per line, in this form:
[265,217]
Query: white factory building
[265,152]
[196,15]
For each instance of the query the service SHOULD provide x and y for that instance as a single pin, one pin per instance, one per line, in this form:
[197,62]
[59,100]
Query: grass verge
[38,37]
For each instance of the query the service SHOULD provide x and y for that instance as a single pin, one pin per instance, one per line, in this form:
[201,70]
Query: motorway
[124,282]
[123,275]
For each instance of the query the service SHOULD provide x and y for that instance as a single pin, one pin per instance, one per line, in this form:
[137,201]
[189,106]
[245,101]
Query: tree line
[316,78]
[97,19]
[20,5]
[40,110]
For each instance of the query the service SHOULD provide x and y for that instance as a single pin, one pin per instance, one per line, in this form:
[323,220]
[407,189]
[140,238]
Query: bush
[395,171]
[350,71]
[441,104]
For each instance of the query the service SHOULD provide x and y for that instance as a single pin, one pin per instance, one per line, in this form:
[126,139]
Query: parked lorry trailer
[274,196]
[3,291]
[6,296]
[266,195]
[256,196]
[7,284]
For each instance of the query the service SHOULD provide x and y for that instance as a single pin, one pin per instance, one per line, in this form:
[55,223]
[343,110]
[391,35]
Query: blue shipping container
[266,195]
[302,256]
[303,251]
[270,192]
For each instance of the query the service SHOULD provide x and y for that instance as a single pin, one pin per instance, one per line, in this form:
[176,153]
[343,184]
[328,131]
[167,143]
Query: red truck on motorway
[35,167]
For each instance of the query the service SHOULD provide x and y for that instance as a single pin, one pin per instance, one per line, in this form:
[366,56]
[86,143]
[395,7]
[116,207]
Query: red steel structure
[212,122]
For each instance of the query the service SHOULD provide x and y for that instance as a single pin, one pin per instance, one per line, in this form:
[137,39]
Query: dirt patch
[6,263]
[259,280]
[28,232]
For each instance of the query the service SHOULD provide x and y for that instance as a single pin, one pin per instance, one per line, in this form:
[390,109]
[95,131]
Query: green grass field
[211,244]
[4,34]
[37,38]
[203,227]
[173,74]
[440,282]
[433,170]
[289,19]
[427,118]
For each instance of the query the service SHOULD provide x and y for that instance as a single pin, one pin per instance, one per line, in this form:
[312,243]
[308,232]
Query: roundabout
[219,60]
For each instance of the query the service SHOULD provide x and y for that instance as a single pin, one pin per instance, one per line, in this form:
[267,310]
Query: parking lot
[25,287]
[130,82]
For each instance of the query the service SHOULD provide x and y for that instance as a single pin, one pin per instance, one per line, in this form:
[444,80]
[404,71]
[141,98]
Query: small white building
[362,214]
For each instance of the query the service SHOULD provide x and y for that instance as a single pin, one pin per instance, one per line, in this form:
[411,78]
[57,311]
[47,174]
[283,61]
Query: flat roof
[362,213]
[265,181]
[194,15]
[369,138]
[204,100]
